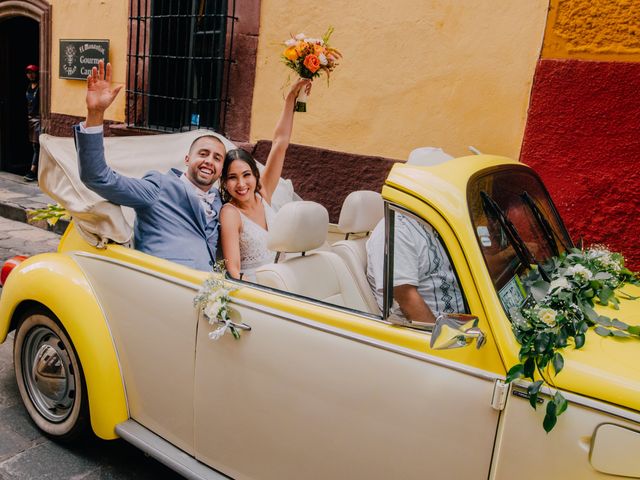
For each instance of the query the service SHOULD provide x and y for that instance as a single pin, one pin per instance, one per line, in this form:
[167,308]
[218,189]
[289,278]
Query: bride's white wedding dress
[253,243]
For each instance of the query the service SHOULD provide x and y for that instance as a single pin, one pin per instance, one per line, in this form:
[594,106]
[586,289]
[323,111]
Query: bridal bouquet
[309,57]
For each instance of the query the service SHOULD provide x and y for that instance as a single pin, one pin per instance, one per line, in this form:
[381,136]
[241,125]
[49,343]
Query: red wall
[583,138]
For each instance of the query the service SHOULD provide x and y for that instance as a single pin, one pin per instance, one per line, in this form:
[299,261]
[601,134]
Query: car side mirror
[455,330]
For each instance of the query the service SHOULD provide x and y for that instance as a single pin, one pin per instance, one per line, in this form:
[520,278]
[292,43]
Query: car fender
[55,281]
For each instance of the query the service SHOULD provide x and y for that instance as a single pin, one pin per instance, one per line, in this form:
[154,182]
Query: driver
[424,283]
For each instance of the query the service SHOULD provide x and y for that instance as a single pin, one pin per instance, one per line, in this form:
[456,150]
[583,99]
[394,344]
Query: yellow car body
[316,390]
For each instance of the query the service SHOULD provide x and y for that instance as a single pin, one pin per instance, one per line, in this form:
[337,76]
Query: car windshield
[516,225]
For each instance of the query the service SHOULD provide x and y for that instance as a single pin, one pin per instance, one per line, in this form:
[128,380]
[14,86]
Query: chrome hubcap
[48,374]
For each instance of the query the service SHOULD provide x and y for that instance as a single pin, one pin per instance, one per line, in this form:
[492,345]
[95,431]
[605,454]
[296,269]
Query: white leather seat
[360,213]
[302,227]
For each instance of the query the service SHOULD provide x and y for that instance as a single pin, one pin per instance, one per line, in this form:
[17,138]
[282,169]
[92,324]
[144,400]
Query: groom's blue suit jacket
[170,222]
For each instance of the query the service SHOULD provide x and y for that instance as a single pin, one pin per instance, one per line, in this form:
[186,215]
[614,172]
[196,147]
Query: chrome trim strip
[166,453]
[577,399]
[476,372]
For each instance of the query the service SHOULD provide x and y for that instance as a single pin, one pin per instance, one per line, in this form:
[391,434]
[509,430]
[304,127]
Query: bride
[245,218]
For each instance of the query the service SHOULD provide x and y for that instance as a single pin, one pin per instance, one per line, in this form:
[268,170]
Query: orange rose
[312,63]
[291,54]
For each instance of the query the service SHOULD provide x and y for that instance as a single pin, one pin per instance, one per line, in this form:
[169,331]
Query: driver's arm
[412,305]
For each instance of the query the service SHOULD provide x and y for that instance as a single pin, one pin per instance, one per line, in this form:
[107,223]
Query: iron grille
[179,60]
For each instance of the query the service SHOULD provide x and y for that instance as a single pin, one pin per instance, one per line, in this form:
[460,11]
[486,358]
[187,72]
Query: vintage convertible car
[321,383]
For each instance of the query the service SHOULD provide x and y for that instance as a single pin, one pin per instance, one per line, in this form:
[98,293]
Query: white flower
[300,36]
[580,272]
[323,59]
[547,316]
[212,310]
[559,284]
[290,43]
[218,332]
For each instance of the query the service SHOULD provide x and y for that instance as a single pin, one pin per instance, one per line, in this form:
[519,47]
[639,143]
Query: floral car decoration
[559,312]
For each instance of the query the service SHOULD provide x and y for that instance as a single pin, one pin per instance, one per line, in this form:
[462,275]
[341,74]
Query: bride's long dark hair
[232,156]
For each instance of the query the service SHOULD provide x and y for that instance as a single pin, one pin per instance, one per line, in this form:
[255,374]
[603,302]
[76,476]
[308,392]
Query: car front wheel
[49,376]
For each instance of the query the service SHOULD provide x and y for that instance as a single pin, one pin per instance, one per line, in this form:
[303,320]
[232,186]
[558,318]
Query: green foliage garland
[558,313]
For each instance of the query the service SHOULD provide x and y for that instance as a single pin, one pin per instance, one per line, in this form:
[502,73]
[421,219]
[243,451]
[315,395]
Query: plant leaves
[604,295]
[604,321]
[603,332]
[634,329]
[539,290]
[533,390]
[558,363]
[602,276]
[550,418]
[590,313]
[618,324]
[515,372]
[560,402]
[541,342]
[580,338]
[529,367]
[620,334]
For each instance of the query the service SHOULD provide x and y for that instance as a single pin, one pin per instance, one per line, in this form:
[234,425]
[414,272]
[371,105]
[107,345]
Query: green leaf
[590,313]
[580,338]
[539,290]
[588,293]
[602,276]
[550,418]
[604,321]
[541,342]
[603,332]
[515,372]
[620,334]
[560,403]
[533,390]
[634,329]
[529,367]
[558,363]
[618,324]
[604,295]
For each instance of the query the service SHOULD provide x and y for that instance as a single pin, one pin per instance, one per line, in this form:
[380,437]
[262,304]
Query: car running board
[166,453]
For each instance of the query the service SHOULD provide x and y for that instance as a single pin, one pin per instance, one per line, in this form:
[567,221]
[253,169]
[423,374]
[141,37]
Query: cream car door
[153,325]
[314,391]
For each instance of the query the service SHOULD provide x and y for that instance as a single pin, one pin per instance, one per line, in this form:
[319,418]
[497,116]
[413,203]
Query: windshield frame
[513,269]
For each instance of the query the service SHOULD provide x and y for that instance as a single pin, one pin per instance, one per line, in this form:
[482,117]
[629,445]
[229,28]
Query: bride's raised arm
[282,135]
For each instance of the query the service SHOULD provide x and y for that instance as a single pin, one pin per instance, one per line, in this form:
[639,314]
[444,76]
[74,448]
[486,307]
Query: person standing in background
[33,119]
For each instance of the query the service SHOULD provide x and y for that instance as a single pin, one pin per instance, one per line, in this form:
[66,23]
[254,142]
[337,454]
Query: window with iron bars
[179,58]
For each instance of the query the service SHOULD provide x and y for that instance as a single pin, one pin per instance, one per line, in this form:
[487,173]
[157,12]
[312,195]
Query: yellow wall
[603,30]
[97,19]
[447,73]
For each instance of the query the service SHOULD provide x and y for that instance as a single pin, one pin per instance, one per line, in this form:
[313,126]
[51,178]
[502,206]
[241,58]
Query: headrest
[298,227]
[361,211]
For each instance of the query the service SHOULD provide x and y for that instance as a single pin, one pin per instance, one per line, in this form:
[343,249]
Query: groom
[177,213]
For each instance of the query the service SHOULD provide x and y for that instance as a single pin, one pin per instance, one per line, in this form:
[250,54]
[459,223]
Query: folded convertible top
[98,220]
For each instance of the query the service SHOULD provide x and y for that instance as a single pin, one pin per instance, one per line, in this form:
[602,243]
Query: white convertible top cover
[98,220]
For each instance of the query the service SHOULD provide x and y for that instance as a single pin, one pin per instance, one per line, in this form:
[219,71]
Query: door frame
[40,11]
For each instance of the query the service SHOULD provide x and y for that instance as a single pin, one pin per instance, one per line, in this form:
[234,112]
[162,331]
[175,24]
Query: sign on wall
[77,57]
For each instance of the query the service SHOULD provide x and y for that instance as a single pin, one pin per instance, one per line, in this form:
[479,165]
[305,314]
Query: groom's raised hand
[100,94]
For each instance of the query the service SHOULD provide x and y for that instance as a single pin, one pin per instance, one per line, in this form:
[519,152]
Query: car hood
[606,368]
